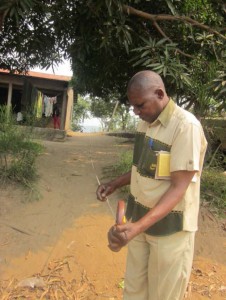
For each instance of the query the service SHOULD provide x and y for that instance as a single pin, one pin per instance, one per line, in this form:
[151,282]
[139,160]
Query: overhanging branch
[164,17]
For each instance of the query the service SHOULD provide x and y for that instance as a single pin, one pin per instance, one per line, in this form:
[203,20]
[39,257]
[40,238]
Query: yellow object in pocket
[163,165]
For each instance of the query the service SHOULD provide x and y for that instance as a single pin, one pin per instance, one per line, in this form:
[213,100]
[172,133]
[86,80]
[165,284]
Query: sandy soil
[56,247]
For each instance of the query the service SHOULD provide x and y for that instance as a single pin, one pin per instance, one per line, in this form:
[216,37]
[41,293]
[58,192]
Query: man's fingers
[104,190]
[118,238]
[101,193]
[121,228]
[112,238]
[114,247]
[114,241]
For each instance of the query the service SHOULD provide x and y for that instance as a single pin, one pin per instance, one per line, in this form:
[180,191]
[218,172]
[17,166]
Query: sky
[62,69]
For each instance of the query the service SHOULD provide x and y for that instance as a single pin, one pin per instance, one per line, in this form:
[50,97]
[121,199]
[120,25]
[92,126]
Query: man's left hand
[120,235]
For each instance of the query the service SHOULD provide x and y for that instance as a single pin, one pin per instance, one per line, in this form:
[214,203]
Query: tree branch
[132,11]
[156,25]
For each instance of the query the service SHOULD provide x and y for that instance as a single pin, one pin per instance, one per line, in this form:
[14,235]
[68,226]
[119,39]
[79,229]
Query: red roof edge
[40,75]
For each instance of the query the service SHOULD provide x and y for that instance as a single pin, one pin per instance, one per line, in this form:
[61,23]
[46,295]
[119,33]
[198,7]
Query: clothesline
[41,103]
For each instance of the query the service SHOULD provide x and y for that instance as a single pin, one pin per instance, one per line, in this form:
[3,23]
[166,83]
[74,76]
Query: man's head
[146,93]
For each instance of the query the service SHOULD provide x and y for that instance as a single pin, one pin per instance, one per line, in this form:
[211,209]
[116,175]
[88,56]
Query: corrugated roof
[41,75]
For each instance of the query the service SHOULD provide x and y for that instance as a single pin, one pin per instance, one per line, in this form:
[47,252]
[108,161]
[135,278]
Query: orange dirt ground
[56,247]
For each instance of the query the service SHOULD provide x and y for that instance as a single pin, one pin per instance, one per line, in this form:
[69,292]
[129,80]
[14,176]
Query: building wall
[69,112]
[51,87]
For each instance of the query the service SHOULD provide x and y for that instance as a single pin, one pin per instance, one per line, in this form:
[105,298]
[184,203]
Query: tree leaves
[108,41]
[15,8]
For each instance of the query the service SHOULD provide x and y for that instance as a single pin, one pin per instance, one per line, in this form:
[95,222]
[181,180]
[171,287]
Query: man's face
[147,104]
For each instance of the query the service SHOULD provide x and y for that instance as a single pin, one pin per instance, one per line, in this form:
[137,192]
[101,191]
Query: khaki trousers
[158,268]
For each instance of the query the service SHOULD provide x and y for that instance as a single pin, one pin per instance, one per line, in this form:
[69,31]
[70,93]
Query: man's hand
[120,235]
[105,190]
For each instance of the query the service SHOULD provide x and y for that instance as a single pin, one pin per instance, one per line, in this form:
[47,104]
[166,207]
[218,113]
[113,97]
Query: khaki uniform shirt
[179,133]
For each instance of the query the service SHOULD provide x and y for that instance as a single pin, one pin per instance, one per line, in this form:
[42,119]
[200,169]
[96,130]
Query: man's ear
[160,93]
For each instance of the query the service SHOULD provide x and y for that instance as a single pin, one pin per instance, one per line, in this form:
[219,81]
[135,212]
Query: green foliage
[102,110]
[112,114]
[159,56]
[121,284]
[200,94]
[18,152]
[221,83]
[30,119]
[80,112]
[27,37]
[213,189]
[219,87]
[182,53]
[195,9]
[124,164]
[123,120]
[16,9]
[110,40]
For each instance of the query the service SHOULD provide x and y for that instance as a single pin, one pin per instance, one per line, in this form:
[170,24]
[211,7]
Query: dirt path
[60,240]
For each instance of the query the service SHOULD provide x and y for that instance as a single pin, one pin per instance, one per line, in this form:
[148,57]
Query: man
[162,212]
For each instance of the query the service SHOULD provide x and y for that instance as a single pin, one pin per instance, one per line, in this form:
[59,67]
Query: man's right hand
[105,190]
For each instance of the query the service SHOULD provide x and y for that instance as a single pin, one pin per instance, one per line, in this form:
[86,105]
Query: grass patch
[18,152]
[213,189]
[123,165]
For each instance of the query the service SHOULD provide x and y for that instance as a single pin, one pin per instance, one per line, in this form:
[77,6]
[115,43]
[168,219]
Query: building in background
[19,91]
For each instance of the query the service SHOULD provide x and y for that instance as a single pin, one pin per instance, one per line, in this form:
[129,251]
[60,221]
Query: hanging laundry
[39,105]
[48,102]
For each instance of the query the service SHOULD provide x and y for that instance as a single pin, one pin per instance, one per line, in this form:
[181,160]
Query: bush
[124,165]
[18,151]
[213,188]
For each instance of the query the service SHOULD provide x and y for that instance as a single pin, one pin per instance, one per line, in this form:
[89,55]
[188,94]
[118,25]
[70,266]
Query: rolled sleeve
[186,148]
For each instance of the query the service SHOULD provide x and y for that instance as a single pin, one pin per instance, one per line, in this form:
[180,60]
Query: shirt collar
[167,112]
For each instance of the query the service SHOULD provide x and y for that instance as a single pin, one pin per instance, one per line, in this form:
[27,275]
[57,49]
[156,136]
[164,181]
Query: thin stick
[98,181]
[17,229]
